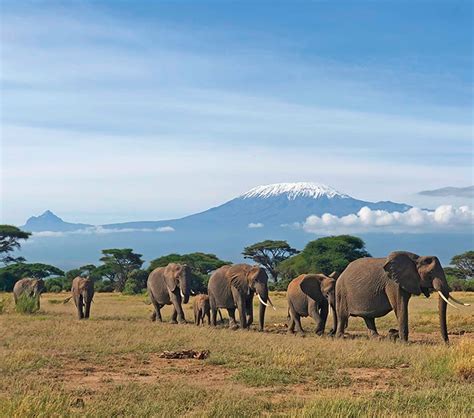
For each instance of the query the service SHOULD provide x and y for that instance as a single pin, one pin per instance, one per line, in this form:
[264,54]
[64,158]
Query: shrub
[460,285]
[55,289]
[26,304]
[280,286]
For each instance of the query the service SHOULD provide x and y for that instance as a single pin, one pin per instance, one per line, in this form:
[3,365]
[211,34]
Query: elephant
[372,287]
[28,287]
[169,285]
[312,295]
[201,309]
[234,286]
[82,292]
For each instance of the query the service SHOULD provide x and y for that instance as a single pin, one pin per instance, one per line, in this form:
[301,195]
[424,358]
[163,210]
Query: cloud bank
[99,230]
[444,218]
[253,225]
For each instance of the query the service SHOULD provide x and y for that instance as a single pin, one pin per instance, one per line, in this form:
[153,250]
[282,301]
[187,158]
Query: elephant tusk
[261,300]
[446,300]
[330,310]
[270,301]
[457,301]
[182,294]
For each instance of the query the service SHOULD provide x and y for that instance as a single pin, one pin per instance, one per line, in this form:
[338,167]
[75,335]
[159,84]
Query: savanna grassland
[51,364]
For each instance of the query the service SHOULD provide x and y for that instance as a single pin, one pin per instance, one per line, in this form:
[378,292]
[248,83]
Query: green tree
[121,262]
[269,254]
[136,282]
[201,265]
[11,273]
[324,255]
[464,264]
[10,237]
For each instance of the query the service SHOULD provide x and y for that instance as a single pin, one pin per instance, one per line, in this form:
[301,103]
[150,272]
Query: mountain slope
[48,221]
[272,205]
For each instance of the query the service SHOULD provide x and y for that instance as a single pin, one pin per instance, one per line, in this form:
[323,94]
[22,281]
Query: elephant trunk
[262,294]
[185,289]
[442,288]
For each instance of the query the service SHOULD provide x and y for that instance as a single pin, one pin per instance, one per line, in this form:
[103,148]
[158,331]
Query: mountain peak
[293,191]
[47,214]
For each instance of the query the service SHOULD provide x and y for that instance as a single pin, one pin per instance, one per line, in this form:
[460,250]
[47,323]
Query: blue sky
[121,110]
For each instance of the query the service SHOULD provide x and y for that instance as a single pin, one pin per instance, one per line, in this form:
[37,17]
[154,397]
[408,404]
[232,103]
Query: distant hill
[48,221]
[467,192]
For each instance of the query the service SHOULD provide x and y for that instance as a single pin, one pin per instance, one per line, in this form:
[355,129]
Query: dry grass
[53,364]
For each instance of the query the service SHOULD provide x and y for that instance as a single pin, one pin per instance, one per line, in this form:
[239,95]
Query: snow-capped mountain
[272,205]
[293,191]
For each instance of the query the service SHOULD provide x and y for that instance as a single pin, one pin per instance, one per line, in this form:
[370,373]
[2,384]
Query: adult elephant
[233,287]
[372,287]
[31,288]
[169,285]
[312,295]
[82,292]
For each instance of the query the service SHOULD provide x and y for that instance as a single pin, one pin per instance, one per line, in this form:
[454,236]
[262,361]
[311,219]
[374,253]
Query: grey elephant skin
[169,285]
[82,292]
[202,309]
[233,287]
[311,295]
[31,288]
[372,287]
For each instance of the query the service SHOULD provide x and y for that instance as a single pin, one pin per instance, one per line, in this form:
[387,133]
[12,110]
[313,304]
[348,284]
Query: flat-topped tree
[269,254]
[121,262]
[10,237]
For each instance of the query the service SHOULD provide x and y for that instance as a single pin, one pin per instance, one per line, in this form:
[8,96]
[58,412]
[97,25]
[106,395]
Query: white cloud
[255,225]
[99,230]
[444,218]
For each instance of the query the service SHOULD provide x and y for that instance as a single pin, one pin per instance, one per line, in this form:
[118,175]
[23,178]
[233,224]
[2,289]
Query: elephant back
[219,289]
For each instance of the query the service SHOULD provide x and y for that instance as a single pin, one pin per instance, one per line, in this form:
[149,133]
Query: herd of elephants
[369,288]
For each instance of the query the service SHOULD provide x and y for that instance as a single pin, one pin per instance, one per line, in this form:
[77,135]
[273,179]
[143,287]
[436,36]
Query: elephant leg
[249,311]
[213,317]
[299,328]
[208,318]
[343,319]
[80,313]
[157,312]
[87,309]
[291,321]
[370,323]
[401,312]
[174,316]
[242,308]
[178,309]
[313,312]
[323,313]
[232,320]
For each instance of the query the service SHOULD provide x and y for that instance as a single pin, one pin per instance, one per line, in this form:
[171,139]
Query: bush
[55,289]
[459,285]
[26,304]
[280,286]
[136,282]
[104,286]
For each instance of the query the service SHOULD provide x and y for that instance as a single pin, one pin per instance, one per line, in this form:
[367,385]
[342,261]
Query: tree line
[121,269]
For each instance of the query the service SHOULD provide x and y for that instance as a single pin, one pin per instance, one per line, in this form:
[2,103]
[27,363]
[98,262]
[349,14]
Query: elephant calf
[31,288]
[170,285]
[82,292]
[311,295]
[202,309]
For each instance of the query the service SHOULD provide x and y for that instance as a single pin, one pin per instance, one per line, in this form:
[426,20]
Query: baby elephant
[312,295]
[201,309]
[82,292]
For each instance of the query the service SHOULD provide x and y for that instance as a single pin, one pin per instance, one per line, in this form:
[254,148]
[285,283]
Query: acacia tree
[269,254]
[10,237]
[11,273]
[324,255]
[120,262]
[464,263]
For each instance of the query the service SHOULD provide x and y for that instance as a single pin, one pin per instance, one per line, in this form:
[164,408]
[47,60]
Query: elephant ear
[334,275]
[402,269]
[311,285]
[238,278]
[170,276]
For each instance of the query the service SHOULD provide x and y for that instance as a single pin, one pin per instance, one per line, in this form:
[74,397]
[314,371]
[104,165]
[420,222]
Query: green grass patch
[27,305]
[264,376]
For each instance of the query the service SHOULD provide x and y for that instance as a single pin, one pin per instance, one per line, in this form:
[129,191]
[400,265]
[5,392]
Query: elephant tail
[288,314]
[67,300]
